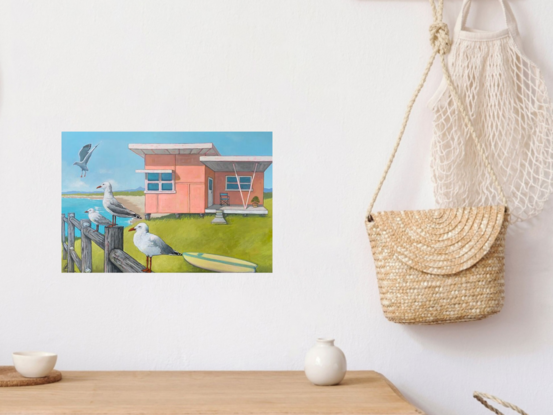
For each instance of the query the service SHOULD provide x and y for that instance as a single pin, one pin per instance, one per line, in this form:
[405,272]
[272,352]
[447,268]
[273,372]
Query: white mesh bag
[508,103]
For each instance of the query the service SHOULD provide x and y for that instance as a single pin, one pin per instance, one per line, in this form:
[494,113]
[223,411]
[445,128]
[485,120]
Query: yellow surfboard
[218,263]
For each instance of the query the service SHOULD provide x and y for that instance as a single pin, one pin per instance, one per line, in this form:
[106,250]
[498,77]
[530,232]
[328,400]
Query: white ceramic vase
[325,364]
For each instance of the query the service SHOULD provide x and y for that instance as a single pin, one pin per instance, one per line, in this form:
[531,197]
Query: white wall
[331,79]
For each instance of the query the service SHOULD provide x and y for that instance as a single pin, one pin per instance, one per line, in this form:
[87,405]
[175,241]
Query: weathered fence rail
[115,258]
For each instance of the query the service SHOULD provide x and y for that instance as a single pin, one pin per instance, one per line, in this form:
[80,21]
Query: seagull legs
[113,221]
[148,265]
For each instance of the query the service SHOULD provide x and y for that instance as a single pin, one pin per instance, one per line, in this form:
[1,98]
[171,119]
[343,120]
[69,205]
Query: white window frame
[159,182]
[237,190]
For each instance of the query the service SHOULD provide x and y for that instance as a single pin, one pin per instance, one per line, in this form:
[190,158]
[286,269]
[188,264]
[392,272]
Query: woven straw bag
[443,265]
[482,397]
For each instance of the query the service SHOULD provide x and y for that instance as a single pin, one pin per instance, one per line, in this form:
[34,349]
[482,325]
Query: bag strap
[510,19]
[507,11]
[441,45]
[481,397]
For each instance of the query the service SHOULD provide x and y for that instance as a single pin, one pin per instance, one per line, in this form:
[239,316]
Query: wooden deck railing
[115,259]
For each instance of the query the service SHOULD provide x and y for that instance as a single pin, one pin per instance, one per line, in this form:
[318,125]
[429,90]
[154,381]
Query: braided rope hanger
[441,45]
[481,397]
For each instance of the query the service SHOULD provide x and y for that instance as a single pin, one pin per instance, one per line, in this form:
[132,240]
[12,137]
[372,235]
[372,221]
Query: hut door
[209,191]
[183,198]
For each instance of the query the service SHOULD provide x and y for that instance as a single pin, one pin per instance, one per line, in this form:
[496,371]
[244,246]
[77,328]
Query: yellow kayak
[218,263]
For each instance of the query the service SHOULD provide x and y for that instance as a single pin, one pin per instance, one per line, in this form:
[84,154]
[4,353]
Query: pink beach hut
[195,178]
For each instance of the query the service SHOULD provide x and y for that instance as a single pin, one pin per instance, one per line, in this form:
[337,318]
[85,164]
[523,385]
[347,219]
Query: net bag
[507,101]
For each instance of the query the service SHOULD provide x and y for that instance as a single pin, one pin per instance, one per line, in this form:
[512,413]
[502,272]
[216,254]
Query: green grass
[249,238]
[133,193]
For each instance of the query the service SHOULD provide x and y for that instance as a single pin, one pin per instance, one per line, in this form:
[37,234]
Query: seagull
[97,218]
[84,156]
[114,207]
[150,245]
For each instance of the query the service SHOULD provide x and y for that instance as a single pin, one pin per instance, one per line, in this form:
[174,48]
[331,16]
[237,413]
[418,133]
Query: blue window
[245,183]
[210,184]
[160,182]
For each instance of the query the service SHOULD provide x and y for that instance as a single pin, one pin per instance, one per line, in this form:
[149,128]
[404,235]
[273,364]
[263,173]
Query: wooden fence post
[70,243]
[63,235]
[125,262]
[86,247]
[113,240]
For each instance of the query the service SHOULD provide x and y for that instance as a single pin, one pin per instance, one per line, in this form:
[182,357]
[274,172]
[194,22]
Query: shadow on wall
[522,324]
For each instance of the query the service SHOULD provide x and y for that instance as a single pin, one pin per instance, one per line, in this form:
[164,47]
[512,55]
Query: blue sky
[113,161]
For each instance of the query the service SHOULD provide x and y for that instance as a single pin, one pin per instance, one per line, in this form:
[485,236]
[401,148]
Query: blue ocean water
[78,207]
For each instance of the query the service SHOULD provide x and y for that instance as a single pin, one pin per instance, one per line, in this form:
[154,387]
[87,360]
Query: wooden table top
[213,393]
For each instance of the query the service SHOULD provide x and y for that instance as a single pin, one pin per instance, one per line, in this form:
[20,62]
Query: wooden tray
[10,377]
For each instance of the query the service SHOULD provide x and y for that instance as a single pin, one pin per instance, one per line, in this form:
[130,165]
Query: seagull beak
[132,229]
[86,211]
[98,187]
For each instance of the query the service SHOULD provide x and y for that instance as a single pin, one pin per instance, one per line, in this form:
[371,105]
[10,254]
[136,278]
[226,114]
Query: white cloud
[77,184]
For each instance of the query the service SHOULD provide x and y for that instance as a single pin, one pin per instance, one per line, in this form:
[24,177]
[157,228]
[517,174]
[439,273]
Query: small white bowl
[34,364]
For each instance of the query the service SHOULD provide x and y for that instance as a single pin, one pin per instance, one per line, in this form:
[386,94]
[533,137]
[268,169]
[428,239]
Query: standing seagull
[84,156]
[97,218]
[114,207]
[150,245]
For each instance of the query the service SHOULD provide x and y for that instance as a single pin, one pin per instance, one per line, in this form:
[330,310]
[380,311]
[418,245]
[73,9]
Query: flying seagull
[114,207]
[150,245]
[97,218]
[84,157]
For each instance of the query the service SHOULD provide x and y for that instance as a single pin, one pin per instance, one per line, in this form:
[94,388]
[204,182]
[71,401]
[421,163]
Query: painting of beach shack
[167,202]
